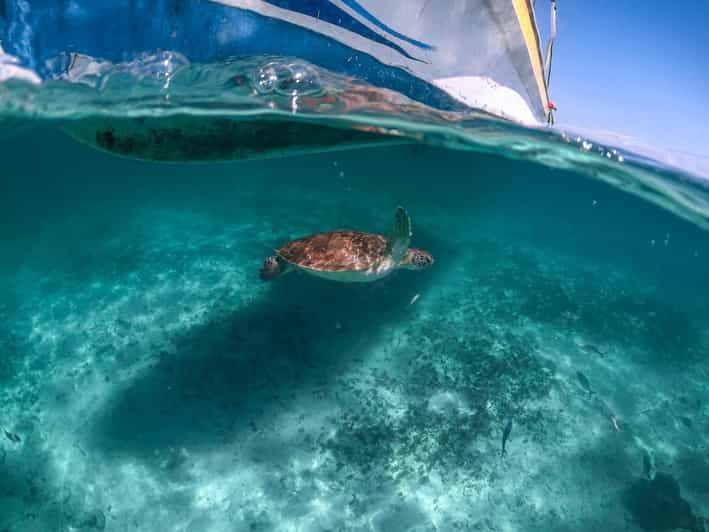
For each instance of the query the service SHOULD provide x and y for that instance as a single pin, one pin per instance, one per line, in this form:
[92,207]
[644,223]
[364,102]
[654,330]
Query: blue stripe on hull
[353,4]
[203,31]
[329,12]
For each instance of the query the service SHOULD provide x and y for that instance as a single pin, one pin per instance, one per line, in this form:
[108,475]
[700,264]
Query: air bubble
[287,79]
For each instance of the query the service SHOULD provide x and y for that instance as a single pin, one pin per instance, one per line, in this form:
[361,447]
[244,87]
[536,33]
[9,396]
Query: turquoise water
[150,381]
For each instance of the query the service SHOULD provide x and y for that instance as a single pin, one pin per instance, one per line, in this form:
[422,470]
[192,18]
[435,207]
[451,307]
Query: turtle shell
[337,251]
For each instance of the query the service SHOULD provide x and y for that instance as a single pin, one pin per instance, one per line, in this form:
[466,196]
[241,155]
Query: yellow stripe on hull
[526,21]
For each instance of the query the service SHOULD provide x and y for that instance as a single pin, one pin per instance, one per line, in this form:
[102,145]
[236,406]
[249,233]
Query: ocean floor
[150,381]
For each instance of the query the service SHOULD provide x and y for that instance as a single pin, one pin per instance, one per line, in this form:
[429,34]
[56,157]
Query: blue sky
[634,67]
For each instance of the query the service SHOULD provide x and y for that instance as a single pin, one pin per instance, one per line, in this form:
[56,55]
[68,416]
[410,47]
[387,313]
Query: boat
[449,55]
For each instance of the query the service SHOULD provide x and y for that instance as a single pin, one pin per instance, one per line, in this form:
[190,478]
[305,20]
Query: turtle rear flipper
[400,237]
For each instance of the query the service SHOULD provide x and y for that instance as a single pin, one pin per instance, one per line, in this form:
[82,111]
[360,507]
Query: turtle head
[272,268]
[417,259]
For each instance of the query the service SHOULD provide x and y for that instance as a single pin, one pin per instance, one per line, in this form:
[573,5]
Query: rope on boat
[548,59]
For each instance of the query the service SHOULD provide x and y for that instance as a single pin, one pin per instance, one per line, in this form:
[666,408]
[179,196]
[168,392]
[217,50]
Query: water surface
[150,381]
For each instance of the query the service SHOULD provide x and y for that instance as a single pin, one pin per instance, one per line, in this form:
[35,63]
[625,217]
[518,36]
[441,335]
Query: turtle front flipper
[400,237]
[272,267]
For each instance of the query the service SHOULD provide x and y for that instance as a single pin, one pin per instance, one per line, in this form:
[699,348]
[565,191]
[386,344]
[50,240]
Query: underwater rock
[657,505]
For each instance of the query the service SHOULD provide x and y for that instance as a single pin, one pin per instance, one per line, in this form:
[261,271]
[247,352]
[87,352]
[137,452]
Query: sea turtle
[350,256]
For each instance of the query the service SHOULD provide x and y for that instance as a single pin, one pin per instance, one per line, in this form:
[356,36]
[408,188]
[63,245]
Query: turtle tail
[272,267]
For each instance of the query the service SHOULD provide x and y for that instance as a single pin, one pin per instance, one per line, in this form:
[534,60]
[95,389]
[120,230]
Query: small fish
[77,446]
[414,299]
[647,465]
[592,349]
[584,381]
[14,438]
[687,422]
[614,420]
[505,436]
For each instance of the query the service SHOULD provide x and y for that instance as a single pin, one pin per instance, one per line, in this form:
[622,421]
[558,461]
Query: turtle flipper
[400,237]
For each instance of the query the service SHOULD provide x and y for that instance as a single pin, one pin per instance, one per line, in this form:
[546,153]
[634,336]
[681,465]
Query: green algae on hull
[186,138]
